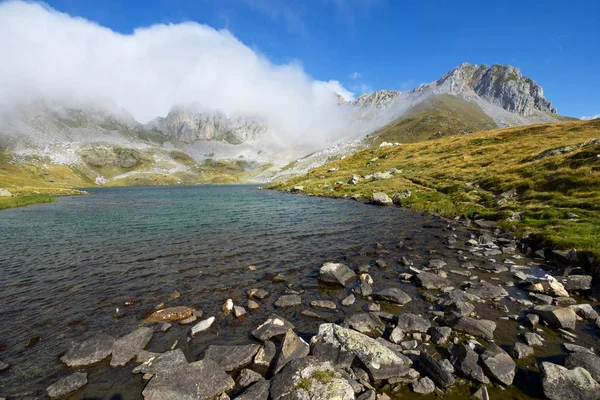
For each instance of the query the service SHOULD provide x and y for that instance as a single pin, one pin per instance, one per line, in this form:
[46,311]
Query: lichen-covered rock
[310,378]
[343,346]
[560,383]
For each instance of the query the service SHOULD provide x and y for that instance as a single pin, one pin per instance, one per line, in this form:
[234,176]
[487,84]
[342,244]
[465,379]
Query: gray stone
[274,326]
[413,323]
[336,274]
[4,366]
[557,317]
[259,294]
[310,378]
[436,370]
[577,283]
[477,327]
[573,348]
[348,300]
[239,311]
[588,361]
[288,300]
[541,298]
[67,385]
[163,362]
[265,355]
[532,339]
[248,377]
[423,386]
[397,335]
[401,195]
[548,286]
[392,295]
[440,335]
[367,323]
[498,364]
[461,308]
[585,311]
[258,391]
[202,380]
[89,351]
[560,383]
[202,326]
[368,395]
[481,394]
[329,305]
[343,346]
[531,320]
[363,289]
[465,361]
[381,199]
[231,358]
[436,264]
[252,305]
[486,291]
[292,348]
[127,347]
[521,350]
[429,280]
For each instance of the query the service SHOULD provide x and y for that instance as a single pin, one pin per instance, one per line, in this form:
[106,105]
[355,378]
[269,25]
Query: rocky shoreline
[479,326]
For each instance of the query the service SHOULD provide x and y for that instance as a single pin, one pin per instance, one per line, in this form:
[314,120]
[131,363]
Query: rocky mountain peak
[501,85]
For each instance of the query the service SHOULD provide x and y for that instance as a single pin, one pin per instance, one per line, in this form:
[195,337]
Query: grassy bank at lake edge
[554,170]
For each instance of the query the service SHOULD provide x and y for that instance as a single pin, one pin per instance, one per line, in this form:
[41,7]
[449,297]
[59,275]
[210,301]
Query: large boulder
[202,380]
[436,370]
[392,295]
[498,364]
[128,346]
[310,378]
[558,317]
[560,383]
[258,391]
[89,351]
[477,327]
[231,358]
[585,311]
[336,274]
[367,323]
[292,348]
[466,363]
[171,314]
[381,199]
[343,346]
[586,360]
[67,385]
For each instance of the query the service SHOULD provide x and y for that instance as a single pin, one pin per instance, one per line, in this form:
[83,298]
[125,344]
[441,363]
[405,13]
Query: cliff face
[189,126]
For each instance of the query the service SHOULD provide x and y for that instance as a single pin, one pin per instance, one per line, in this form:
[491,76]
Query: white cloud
[355,75]
[592,117]
[52,55]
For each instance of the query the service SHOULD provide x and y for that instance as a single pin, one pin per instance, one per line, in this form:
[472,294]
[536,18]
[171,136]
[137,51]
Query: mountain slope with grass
[544,179]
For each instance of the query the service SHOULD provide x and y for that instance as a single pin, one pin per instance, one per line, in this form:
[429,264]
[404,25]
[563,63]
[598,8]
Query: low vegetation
[544,179]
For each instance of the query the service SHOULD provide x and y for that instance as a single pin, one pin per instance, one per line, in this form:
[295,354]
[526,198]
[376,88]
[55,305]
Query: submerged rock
[171,314]
[560,383]
[310,378]
[202,380]
[292,348]
[288,300]
[342,346]
[231,358]
[202,326]
[128,346]
[392,295]
[67,385]
[89,351]
[336,274]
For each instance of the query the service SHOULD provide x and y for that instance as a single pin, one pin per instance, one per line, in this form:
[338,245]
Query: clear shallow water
[66,266]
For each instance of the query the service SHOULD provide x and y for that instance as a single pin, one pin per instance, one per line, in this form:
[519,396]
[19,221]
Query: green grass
[464,176]
[21,201]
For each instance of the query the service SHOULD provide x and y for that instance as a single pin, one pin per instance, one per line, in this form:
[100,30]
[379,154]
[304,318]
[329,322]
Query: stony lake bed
[329,299]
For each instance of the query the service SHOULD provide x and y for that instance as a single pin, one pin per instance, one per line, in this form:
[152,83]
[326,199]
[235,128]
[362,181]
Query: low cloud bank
[51,55]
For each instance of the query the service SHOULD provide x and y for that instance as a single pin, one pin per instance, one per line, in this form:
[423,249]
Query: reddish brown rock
[171,314]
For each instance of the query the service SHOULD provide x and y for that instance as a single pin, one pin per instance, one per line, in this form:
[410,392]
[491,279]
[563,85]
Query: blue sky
[379,44]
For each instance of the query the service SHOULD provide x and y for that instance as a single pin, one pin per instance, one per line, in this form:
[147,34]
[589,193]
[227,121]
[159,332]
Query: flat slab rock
[202,380]
[392,295]
[163,362]
[89,351]
[310,378]
[231,358]
[498,365]
[67,385]
[288,300]
[258,391]
[431,281]
[477,327]
[560,383]
[367,323]
[127,347]
[336,274]
[486,291]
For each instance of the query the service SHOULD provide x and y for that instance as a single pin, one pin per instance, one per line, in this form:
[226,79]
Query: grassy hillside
[554,170]
[438,116]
